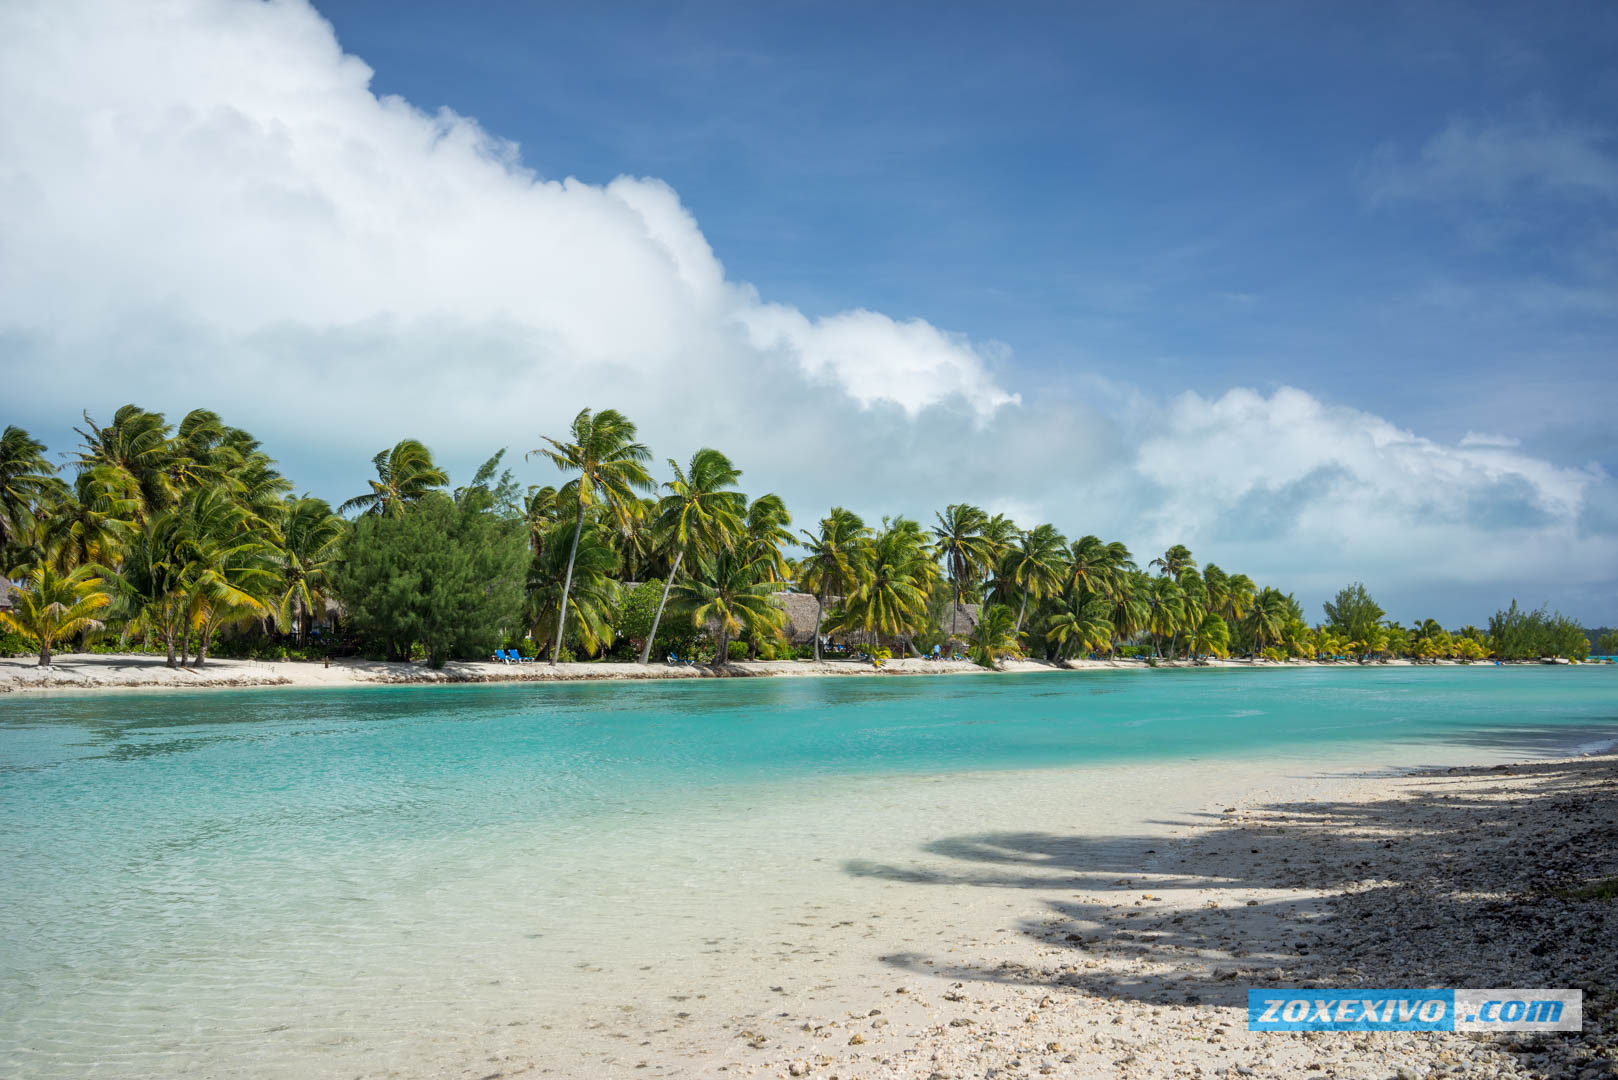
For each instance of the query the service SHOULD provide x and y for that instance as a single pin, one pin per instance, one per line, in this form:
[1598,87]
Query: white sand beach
[134,671]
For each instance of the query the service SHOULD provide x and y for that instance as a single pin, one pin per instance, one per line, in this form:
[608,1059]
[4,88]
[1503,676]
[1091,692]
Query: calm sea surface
[284,882]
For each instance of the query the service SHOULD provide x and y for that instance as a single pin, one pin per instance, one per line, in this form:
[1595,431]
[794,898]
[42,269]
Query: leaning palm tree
[611,468]
[52,606]
[1240,593]
[963,547]
[1267,618]
[403,475]
[837,562]
[734,595]
[1034,564]
[698,515]
[585,566]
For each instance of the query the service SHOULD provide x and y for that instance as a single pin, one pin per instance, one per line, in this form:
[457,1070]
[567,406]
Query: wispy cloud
[1469,160]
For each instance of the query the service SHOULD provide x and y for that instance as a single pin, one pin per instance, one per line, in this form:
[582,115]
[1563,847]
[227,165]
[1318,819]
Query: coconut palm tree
[541,513]
[133,457]
[837,562]
[311,543]
[1173,561]
[611,468]
[963,547]
[699,514]
[52,606]
[996,636]
[1034,565]
[404,474]
[584,566]
[228,568]
[764,533]
[27,482]
[1098,569]
[1209,637]
[1240,593]
[890,599]
[1127,609]
[1267,618]
[1165,611]
[733,594]
[1080,624]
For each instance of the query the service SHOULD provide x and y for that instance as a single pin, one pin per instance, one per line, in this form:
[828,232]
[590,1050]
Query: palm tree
[1127,608]
[733,594]
[585,565]
[698,515]
[838,560]
[1209,637]
[27,481]
[1267,618]
[311,541]
[1240,592]
[1165,612]
[890,599]
[403,475]
[132,457]
[610,467]
[227,567]
[1035,565]
[766,530]
[1098,569]
[51,606]
[541,514]
[1174,560]
[963,547]
[996,636]
[1082,624]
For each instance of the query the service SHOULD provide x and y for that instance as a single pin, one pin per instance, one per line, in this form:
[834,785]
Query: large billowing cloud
[202,202]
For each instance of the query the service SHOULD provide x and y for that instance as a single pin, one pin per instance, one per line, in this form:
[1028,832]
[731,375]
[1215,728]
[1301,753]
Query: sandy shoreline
[1137,964]
[129,671]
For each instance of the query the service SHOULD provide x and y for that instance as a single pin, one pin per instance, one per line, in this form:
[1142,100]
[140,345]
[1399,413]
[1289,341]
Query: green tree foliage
[610,464]
[404,475]
[1516,634]
[965,549]
[1354,613]
[447,575]
[837,563]
[996,636]
[51,607]
[700,515]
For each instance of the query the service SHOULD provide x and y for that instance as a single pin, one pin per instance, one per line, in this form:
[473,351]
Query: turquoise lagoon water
[204,882]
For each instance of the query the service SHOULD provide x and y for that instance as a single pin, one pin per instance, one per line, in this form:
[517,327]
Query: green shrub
[738,650]
[14,644]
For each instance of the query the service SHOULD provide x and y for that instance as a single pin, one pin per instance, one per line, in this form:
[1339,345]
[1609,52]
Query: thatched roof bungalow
[801,609]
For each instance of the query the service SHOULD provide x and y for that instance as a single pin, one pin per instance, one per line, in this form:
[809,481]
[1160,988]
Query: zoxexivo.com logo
[1415,1010]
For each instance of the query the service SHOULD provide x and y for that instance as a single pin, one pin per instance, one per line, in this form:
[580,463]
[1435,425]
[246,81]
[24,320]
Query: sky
[1325,292]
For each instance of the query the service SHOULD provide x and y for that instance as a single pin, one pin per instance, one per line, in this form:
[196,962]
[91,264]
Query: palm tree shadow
[1444,888]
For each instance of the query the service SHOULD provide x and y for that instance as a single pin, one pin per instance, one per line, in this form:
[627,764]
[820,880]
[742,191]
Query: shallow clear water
[188,875]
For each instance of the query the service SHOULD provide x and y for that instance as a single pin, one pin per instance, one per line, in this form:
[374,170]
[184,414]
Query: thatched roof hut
[965,622]
[6,589]
[801,609]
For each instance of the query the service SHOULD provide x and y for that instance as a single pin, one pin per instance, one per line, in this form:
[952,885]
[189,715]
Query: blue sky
[1190,193]
[1326,292]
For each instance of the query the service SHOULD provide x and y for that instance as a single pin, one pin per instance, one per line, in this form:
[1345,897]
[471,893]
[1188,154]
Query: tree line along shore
[187,541]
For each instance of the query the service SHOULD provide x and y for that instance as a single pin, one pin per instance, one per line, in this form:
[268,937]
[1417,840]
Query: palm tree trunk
[722,654]
[168,643]
[820,611]
[1021,611]
[567,583]
[955,609]
[646,650]
[44,654]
